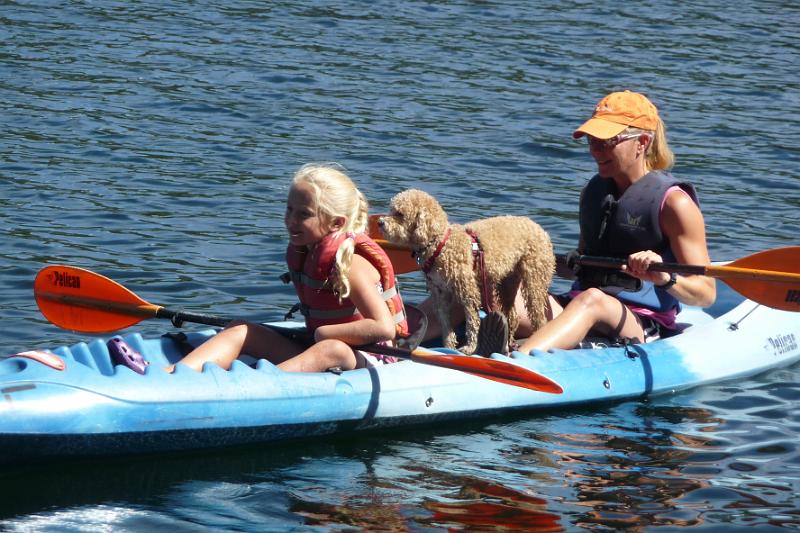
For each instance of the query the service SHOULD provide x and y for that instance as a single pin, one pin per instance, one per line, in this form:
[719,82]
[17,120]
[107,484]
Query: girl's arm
[378,323]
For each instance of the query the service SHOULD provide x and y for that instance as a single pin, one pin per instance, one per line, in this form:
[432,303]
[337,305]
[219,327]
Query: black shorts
[652,329]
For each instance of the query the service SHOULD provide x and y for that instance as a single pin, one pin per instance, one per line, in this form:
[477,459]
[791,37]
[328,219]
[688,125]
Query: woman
[632,208]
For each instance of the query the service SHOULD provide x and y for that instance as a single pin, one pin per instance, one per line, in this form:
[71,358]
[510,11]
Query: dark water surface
[153,142]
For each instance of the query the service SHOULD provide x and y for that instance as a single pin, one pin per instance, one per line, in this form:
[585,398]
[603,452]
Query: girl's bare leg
[321,356]
[238,338]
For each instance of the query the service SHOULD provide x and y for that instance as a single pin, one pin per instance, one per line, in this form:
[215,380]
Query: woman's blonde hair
[658,156]
[336,196]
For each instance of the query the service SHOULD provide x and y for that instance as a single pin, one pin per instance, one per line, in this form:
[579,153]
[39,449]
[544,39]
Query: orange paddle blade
[402,260]
[490,369]
[81,300]
[769,277]
[400,256]
[373,230]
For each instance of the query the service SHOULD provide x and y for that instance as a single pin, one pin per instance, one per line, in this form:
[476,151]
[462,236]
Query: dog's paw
[450,340]
[467,349]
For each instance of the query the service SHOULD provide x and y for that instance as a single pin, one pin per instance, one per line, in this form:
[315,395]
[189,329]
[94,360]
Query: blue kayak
[72,401]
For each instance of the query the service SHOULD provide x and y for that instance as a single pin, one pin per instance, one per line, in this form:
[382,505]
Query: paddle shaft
[404,262]
[731,272]
[81,300]
[722,272]
[769,278]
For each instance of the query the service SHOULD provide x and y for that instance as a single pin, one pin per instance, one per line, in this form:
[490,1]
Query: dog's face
[415,219]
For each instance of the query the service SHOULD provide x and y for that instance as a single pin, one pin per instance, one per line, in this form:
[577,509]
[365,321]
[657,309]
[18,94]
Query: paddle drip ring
[176,320]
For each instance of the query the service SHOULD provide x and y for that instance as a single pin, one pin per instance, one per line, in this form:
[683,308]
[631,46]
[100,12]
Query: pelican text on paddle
[793,295]
[64,279]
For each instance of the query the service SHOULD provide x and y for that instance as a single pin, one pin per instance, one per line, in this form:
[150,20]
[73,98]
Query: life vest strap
[326,314]
[299,277]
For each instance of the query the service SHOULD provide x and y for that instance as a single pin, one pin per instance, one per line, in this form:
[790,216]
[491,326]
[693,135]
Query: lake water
[153,142]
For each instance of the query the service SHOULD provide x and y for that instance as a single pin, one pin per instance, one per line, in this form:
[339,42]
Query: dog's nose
[380,222]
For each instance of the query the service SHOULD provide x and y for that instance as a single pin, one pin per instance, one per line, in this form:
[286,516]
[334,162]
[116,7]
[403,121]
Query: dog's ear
[432,219]
[420,224]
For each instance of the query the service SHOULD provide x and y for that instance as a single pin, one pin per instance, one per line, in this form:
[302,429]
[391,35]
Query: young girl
[344,280]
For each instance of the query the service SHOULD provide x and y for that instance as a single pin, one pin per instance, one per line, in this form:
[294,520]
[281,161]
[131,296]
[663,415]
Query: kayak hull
[92,408]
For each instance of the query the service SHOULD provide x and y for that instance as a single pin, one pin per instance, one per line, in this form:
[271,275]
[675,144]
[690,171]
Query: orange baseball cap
[618,111]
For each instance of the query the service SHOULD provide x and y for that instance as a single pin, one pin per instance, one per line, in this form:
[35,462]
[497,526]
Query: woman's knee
[593,300]
[590,296]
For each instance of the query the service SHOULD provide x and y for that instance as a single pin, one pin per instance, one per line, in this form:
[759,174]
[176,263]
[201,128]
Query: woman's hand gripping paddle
[770,278]
[81,300]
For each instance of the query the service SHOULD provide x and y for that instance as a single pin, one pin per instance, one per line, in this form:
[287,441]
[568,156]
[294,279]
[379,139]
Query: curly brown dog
[517,252]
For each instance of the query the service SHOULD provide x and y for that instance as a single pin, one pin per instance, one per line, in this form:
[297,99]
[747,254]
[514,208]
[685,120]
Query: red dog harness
[479,263]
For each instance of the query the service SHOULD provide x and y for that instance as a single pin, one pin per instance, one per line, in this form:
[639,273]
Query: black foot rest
[181,341]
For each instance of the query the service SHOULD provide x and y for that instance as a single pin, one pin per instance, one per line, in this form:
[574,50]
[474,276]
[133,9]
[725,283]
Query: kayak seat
[493,335]
[417,326]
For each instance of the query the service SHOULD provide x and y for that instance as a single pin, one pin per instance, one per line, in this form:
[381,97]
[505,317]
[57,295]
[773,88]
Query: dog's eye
[397,214]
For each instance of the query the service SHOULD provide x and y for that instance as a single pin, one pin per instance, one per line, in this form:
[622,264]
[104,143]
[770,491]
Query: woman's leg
[591,310]
[524,328]
[434,330]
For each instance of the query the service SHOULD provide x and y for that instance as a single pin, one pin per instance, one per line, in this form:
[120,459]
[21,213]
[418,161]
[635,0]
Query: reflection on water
[489,506]
[631,466]
[631,476]
[649,474]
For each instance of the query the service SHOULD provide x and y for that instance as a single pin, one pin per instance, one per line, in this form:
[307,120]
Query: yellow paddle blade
[373,230]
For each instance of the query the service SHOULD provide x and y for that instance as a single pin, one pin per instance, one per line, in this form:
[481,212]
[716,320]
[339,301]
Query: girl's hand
[639,263]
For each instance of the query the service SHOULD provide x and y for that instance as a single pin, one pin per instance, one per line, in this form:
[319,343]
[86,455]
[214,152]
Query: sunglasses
[608,144]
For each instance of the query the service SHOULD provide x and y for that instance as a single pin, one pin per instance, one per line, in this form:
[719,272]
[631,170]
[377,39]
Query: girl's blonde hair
[336,196]
[658,156]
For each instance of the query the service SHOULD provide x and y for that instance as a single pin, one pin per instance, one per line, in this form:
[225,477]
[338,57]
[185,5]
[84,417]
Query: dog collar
[428,265]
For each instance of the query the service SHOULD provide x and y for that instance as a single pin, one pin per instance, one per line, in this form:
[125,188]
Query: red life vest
[310,274]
